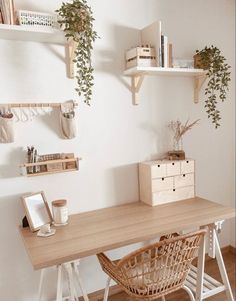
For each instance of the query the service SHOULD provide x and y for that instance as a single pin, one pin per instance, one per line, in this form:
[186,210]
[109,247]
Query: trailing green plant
[211,59]
[76,19]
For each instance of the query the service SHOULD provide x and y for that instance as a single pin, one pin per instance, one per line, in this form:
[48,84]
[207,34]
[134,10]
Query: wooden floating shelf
[50,167]
[138,73]
[40,34]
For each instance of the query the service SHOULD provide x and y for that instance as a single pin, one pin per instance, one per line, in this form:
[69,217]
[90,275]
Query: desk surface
[105,229]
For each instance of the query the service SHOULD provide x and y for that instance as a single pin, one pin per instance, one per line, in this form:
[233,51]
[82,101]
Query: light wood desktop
[105,229]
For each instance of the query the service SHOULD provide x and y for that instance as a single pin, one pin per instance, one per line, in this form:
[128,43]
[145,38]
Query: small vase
[178,144]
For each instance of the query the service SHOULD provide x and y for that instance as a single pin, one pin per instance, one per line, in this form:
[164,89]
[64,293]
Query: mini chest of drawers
[166,181]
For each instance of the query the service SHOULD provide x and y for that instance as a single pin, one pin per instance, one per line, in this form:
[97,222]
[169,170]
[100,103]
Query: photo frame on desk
[37,210]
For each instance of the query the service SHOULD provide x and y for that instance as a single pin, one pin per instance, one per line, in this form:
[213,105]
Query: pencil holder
[6,130]
[68,125]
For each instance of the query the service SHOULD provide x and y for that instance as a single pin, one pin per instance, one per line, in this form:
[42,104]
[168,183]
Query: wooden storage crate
[141,56]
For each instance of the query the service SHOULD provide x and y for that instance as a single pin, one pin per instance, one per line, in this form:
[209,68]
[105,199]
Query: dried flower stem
[179,129]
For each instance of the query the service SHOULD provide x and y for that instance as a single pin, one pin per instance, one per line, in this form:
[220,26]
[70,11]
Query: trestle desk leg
[59,283]
[72,291]
[78,279]
[42,272]
[222,269]
[200,271]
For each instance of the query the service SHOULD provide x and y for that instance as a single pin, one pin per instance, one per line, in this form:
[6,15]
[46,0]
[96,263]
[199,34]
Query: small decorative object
[182,63]
[176,155]
[141,56]
[32,18]
[76,19]
[6,127]
[37,210]
[68,120]
[46,231]
[179,130]
[211,59]
[60,212]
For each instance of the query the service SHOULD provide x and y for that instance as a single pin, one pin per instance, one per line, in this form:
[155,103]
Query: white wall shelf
[138,73]
[40,34]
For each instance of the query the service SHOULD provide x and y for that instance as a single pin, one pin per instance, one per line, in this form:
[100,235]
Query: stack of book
[152,35]
[7,12]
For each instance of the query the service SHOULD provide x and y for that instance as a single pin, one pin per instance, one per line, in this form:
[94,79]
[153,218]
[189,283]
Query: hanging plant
[211,59]
[76,19]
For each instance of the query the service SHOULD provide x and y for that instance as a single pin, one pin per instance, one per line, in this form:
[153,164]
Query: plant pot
[6,130]
[198,64]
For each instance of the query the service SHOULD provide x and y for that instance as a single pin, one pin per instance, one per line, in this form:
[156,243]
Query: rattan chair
[155,270]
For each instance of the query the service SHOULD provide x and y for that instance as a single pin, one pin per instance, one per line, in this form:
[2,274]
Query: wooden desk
[101,230]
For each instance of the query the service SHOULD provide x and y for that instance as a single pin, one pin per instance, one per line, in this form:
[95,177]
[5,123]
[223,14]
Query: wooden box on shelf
[141,56]
[165,181]
[66,163]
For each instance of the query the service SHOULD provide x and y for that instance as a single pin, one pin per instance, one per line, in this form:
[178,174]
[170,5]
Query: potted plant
[211,59]
[76,19]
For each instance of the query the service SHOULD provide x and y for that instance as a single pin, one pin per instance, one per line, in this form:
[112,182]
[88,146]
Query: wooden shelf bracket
[70,48]
[136,83]
[198,83]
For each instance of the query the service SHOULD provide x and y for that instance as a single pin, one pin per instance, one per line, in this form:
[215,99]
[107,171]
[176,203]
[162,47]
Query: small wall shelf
[138,73]
[41,34]
[49,167]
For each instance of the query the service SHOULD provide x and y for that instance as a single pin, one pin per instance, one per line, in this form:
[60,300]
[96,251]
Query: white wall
[113,135]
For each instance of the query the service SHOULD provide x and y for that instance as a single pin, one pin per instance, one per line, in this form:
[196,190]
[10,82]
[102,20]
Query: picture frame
[37,210]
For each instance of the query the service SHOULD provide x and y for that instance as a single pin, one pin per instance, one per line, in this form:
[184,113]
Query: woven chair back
[158,269]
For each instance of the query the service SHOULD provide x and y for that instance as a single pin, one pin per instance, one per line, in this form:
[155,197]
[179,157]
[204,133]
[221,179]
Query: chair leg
[163,298]
[188,290]
[106,293]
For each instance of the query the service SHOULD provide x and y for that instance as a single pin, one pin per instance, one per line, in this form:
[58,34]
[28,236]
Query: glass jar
[60,212]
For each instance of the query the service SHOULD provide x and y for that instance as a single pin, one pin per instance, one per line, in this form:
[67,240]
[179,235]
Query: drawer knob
[158,165]
[163,179]
[187,161]
[173,189]
[173,163]
[183,175]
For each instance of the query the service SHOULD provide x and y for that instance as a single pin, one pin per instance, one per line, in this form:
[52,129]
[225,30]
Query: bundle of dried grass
[180,129]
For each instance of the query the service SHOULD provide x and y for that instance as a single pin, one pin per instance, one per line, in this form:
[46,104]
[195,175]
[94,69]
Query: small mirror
[37,210]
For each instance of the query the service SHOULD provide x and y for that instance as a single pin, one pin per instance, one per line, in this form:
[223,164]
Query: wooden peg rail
[35,105]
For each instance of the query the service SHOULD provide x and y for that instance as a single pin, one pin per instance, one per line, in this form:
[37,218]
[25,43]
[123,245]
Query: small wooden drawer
[158,170]
[173,168]
[173,195]
[187,166]
[184,180]
[162,184]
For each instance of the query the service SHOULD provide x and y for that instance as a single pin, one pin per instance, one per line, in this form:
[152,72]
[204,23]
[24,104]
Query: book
[170,56]
[1,18]
[165,61]
[7,10]
[164,51]
[151,37]
[11,14]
